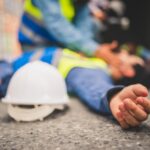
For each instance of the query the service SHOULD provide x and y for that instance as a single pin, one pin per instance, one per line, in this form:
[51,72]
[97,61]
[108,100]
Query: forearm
[63,31]
[93,87]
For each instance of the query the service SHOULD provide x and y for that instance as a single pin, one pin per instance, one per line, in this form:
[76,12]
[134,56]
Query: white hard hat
[39,84]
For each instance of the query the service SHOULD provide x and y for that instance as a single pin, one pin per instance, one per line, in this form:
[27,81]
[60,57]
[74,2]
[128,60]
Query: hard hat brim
[31,114]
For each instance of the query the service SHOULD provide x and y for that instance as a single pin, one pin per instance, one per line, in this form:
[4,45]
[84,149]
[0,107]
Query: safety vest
[70,60]
[32,29]
[67,9]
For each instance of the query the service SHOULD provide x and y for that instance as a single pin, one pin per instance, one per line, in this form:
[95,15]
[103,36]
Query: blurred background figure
[111,14]
[125,22]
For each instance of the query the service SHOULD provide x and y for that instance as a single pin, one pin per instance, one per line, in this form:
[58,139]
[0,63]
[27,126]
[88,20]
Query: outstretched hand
[106,52]
[121,64]
[130,106]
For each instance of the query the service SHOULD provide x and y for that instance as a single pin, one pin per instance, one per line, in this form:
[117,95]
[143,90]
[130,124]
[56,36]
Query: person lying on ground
[90,80]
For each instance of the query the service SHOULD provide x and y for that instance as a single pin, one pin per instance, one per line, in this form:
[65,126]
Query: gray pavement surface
[76,128]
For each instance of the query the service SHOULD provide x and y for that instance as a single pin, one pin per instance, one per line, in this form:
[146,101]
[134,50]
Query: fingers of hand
[129,119]
[134,110]
[140,90]
[127,70]
[121,121]
[139,61]
[145,103]
[116,74]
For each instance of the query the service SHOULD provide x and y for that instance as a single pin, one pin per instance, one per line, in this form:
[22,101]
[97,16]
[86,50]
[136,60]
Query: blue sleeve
[89,27]
[46,55]
[94,87]
[65,32]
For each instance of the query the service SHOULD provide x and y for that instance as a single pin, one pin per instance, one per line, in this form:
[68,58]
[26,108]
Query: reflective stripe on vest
[67,9]
[32,10]
[70,60]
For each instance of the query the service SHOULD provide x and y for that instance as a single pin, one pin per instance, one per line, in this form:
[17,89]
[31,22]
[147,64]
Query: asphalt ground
[76,128]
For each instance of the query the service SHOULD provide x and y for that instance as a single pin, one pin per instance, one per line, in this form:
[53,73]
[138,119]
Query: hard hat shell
[36,83]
